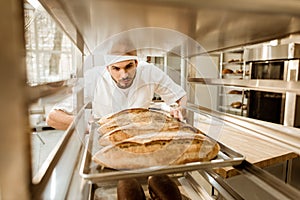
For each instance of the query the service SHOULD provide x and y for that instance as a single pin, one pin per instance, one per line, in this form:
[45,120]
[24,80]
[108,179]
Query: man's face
[123,73]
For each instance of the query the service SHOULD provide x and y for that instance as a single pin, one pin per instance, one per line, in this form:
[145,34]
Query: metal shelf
[278,86]
[49,89]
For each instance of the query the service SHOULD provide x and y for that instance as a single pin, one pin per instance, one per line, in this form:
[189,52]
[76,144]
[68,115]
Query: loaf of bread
[121,133]
[235,92]
[157,149]
[141,138]
[162,187]
[236,104]
[227,71]
[136,117]
[130,189]
[239,71]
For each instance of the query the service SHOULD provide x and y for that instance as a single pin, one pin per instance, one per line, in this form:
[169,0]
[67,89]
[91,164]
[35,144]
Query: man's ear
[136,62]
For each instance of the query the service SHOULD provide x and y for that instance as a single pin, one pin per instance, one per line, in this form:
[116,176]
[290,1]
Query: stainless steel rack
[257,84]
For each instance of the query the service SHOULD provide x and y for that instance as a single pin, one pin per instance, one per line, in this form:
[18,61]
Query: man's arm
[58,119]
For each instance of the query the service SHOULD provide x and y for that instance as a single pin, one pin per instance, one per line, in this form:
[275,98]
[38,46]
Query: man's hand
[59,120]
[177,113]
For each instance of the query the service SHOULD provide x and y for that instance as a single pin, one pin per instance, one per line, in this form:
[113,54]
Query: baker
[124,82]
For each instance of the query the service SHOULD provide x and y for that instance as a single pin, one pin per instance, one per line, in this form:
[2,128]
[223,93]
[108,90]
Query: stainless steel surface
[54,178]
[278,86]
[213,24]
[273,186]
[55,153]
[90,170]
[250,180]
[292,73]
[269,52]
[193,188]
[78,188]
[42,144]
[293,177]
[219,184]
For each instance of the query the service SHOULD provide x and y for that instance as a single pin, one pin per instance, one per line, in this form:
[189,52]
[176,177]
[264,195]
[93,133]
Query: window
[49,51]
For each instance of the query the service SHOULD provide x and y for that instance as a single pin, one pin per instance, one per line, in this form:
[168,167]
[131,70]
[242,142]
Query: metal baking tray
[94,173]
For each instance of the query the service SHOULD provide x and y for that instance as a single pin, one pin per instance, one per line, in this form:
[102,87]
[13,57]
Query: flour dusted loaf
[137,121]
[141,138]
[157,149]
[121,133]
[137,117]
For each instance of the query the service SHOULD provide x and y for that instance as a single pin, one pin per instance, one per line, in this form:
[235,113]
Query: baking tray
[94,173]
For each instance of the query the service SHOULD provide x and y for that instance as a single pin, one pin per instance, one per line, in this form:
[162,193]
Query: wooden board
[260,152]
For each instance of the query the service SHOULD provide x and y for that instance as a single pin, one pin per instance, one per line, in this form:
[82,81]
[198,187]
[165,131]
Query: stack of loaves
[141,138]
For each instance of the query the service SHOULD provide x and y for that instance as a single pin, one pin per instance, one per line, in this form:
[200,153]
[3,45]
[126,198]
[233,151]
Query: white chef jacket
[69,104]
[149,79]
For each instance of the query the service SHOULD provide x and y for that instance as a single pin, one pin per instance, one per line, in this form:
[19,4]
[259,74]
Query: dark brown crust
[227,71]
[130,189]
[168,148]
[104,119]
[134,116]
[174,143]
[162,187]
[119,133]
[236,104]
[235,92]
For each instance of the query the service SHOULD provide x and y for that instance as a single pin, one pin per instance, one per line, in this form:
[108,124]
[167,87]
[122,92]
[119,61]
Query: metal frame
[220,185]
[263,177]
[257,84]
[260,177]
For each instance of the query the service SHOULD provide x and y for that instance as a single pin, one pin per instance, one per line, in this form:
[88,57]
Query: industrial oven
[187,39]
[280,62]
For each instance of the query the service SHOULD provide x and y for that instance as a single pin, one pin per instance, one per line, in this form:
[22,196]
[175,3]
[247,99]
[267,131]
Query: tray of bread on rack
[141,142]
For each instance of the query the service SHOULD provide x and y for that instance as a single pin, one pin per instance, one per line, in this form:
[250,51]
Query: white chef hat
[110,59]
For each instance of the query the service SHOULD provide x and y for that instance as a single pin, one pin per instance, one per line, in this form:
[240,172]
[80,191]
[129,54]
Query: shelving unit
[88,23]
[261,79]
[232,66]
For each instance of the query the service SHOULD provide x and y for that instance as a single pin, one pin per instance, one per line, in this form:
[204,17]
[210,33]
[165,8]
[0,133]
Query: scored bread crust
[140,138]
[121,133]
[166,148]
[135,117]
[109,117]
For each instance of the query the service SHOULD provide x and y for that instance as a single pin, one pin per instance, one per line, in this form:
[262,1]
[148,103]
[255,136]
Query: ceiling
[182,26]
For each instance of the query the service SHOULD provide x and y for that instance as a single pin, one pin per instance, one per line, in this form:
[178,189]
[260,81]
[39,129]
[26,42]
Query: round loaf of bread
[162,187]
[227,71]
[235,92]
[130,189]
[236,104]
